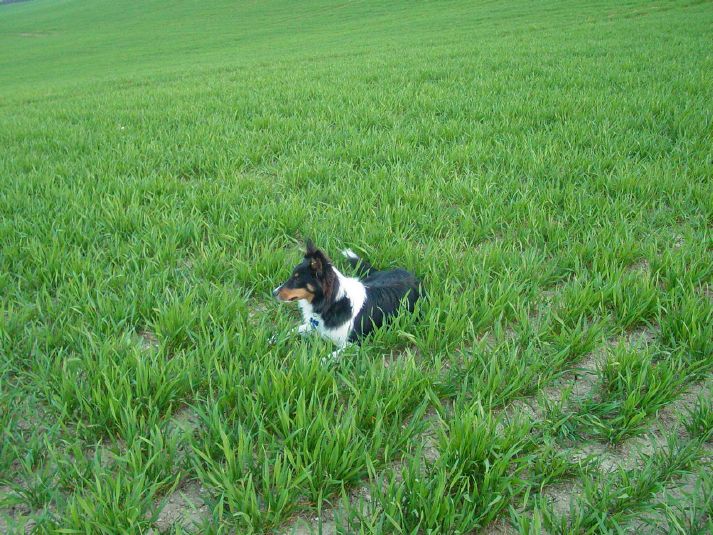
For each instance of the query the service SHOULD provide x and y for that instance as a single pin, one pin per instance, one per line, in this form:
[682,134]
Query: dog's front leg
[303,330]
[308,326]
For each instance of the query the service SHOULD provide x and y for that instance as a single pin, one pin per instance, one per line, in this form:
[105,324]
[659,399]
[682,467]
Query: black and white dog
[344,309]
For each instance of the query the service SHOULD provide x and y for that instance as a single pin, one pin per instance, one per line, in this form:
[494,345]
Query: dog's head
[311,279]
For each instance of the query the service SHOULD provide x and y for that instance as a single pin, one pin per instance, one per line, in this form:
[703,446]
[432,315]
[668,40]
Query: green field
[545,166]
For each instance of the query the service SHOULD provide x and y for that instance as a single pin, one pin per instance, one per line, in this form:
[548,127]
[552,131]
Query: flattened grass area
[545,167]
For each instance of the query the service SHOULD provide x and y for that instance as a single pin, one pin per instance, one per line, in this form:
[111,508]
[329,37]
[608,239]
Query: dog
[345,309]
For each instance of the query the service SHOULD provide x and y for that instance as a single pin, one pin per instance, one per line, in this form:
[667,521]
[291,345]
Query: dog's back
[386,291]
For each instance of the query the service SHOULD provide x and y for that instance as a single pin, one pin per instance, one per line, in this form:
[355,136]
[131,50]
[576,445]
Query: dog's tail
[361,266]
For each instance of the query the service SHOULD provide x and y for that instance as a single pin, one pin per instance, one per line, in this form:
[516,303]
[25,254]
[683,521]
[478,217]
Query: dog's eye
[297,275]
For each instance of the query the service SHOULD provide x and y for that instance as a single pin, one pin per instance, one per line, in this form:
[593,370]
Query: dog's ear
[318,261]
[310,249]
[316,264]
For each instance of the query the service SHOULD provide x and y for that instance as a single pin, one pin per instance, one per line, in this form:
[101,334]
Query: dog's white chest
[338,335]
[349,288]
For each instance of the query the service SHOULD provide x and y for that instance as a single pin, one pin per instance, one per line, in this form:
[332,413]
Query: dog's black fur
[385,292]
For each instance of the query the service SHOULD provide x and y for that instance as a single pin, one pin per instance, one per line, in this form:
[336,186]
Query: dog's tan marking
[292,294]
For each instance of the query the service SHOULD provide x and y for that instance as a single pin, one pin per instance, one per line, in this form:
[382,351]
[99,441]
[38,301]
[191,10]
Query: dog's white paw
[327,361]
[308,327]
[332,358]
[348,253]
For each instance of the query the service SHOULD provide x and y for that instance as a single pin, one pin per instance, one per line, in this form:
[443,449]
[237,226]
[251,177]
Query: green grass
[688,512]
[545,167]
[609,500]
